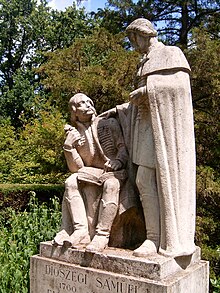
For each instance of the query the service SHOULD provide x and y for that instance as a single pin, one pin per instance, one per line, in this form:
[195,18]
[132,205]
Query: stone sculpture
[158,132]
[96,154]
[163,144]
[150,141]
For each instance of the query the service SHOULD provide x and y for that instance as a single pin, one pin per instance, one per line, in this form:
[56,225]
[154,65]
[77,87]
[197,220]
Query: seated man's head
[82,108]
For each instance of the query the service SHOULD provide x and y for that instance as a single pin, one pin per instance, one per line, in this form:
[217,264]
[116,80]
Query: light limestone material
[158,132]
[122,261]
[163,144]
[96,154]
[53,276]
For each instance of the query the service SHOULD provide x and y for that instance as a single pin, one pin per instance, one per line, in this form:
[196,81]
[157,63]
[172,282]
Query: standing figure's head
[139,32]
[81,108]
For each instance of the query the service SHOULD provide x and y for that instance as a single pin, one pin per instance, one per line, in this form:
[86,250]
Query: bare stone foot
[98,243]
[146,249]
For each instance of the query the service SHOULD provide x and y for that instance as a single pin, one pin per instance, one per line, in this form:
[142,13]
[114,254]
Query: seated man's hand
[113,165]
[73,137]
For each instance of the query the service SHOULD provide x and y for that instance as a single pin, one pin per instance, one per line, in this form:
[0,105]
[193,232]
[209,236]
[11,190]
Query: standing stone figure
[96,154]
[163,144]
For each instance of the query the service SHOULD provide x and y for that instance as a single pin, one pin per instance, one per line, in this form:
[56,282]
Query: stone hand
[137,95]
[113,165]
[109,113]
[73,137]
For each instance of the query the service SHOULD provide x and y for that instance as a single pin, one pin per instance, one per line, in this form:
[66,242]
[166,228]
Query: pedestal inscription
[52,276]
[58,277]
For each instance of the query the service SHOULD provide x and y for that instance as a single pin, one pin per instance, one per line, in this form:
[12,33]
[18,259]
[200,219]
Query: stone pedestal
[60,270]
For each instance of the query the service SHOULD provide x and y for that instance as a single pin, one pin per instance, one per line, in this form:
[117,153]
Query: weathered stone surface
[121,261]
[98,191]
[163,143]
[52,276]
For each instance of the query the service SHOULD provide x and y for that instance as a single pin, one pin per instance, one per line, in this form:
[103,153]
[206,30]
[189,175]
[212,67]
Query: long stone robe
[163,138]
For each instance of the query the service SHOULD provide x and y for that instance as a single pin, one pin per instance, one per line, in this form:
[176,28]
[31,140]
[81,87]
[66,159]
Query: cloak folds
[165,73]
[173,132]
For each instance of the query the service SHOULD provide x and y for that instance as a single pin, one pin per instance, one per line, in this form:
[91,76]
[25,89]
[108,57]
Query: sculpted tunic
[102,140]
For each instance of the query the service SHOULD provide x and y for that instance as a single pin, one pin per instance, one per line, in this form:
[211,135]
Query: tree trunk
[184,25]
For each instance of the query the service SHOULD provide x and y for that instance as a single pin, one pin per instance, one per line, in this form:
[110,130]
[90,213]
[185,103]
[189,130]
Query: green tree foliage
[18,99]
[33,155]
[22,23]
[175,19]
[204,60]
[27,30]
[97,65]
[65,26]
[203,55]
[27,26]
[208,219]
[19,35]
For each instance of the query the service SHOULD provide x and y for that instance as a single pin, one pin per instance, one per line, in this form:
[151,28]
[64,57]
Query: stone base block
[107,273]
[121,261]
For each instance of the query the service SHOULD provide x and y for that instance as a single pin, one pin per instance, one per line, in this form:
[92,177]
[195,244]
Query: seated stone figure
[96,155]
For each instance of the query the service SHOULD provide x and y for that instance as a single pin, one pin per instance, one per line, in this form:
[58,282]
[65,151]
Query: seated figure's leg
[66,223]
[107,212]
[146,183]
[73,204]
[92,196]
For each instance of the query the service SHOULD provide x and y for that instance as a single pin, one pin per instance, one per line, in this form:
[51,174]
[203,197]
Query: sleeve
[73,159]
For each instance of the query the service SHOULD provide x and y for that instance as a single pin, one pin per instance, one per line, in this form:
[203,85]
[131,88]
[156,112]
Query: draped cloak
[162,137]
